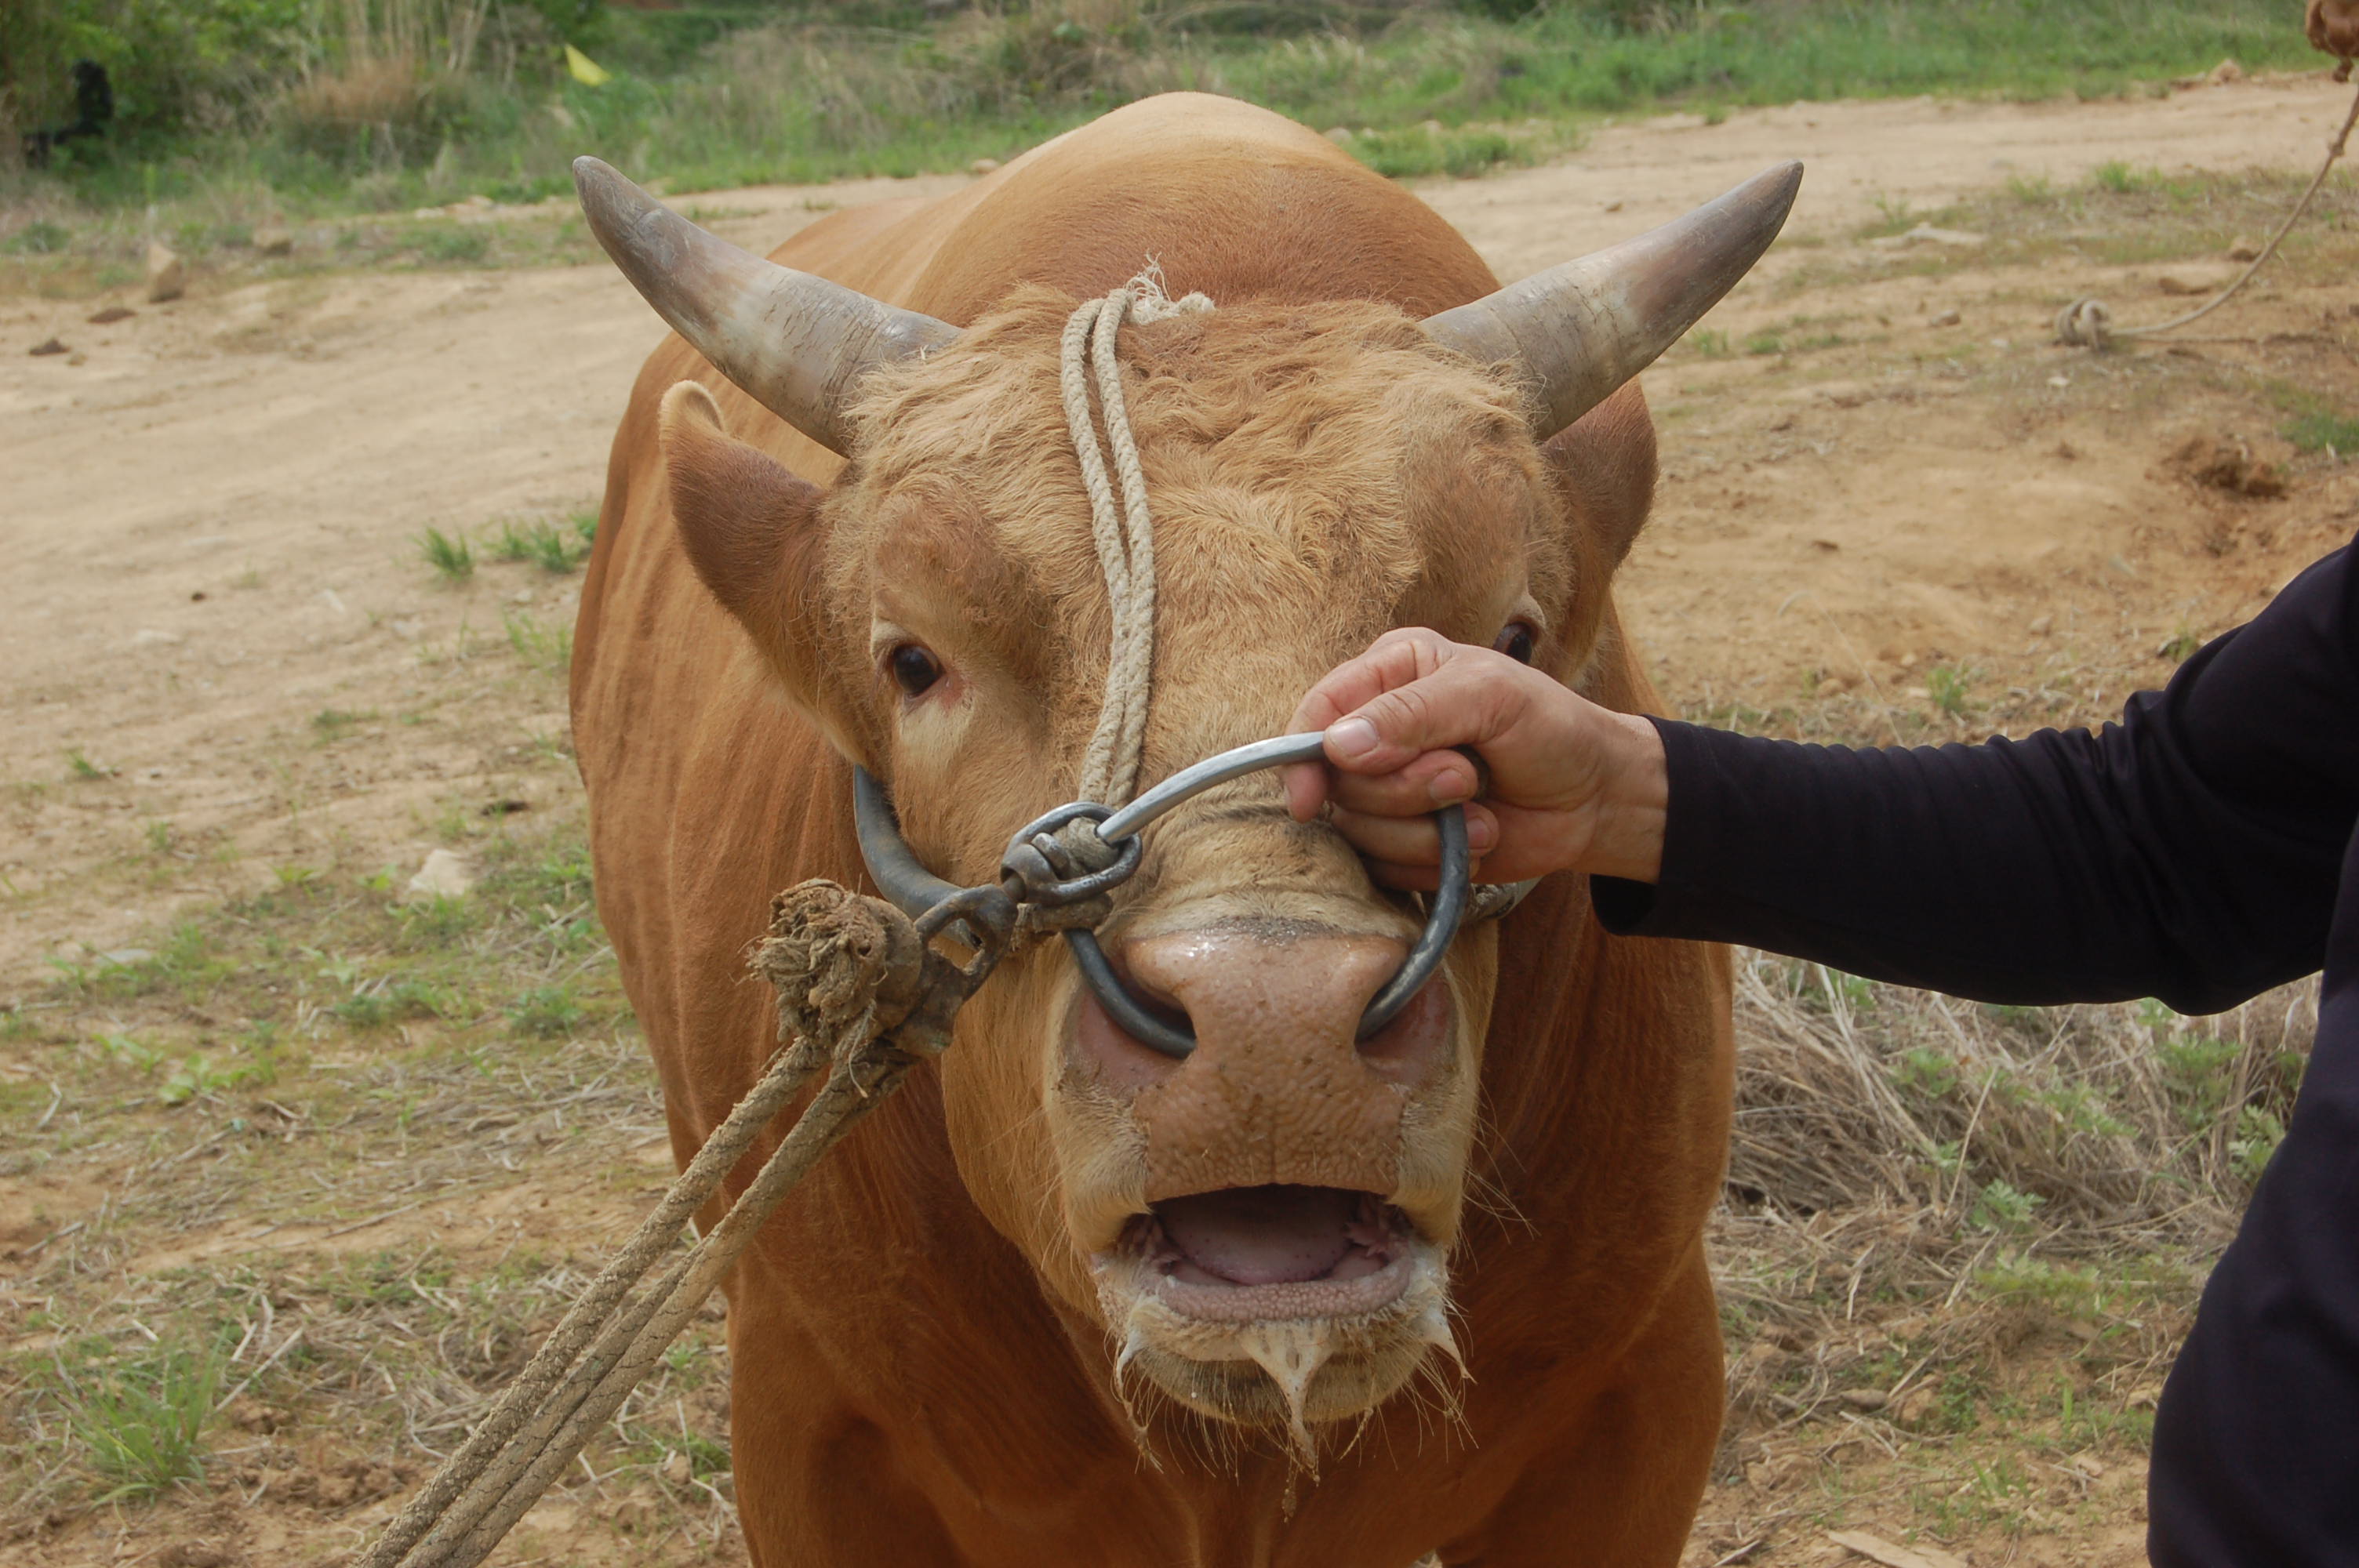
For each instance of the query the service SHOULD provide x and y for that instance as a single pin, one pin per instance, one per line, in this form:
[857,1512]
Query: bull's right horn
[797,344]
[1580,330]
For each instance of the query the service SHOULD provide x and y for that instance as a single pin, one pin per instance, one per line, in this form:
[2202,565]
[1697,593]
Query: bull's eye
[1515,642]
[914,670]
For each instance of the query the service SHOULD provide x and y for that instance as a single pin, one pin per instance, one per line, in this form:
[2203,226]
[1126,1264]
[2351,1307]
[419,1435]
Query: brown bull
[1068,1301]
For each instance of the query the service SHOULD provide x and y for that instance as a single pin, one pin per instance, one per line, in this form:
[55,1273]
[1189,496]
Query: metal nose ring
[1443,916]
[1041,868]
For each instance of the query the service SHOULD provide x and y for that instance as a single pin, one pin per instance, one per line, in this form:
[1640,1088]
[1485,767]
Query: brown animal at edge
[924,1342]
[2333,27]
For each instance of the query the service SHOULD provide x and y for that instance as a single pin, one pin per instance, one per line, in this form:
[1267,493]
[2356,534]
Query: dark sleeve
[2191,852]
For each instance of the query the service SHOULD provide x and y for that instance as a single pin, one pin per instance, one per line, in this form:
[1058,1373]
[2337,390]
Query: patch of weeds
[82,769]
[558,549]
[1896,215]
[2258,1132]
[2319,424]
[547,645]
[2122,180]
[1761,343]
[2059,1288]
[2323,432]
[2084,1108]
[1949,684]
[1711,342]
[2032,191]
[2083,1426]
[1462,151]
[380,1005]
[333,724]
[2002,1208]
[2197,1071]
[1925,1072]
[38,238]
[447,553]
[2180,645]
[200,1074]
[463,247]
[434,923]
[545,1011]
[141,1427]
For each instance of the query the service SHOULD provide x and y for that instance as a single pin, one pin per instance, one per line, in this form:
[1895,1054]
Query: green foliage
[1949,684]
[2001,1208]
[559,549]
[447,553]
[1711,342]
[455,245]
[546,646]
[2320,431]
[1925,1072]
[2197,1071]
[2258,1133]
[38,238]
[81,767]
[276,89]
[2067,1290]
[141,1426]
[547,1011]
[2318,424]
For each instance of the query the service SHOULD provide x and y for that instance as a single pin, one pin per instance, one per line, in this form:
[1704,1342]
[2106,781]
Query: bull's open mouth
[1248,1254]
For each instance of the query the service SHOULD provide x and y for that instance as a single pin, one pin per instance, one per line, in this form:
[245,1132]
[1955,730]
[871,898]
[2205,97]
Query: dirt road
[1889,506]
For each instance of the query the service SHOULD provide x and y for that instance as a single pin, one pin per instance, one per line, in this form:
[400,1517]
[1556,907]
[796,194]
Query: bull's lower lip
[1260,1254]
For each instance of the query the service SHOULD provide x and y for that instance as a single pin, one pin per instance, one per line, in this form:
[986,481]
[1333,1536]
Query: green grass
[141,1425]
[557,548]
[447,553]
[1421,91]
[546,646]
[2318,423]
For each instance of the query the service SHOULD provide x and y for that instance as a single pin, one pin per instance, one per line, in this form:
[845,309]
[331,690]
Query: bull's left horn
[797,344]
[1583,328]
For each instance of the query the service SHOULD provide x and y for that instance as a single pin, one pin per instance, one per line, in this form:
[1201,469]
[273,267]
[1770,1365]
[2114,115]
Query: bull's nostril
[1152,999]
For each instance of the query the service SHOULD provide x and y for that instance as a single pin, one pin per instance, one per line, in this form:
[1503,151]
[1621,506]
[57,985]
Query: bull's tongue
[1262,1236]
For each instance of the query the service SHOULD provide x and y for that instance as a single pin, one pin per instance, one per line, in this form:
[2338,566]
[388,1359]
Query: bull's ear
[751,529]
[1605,462]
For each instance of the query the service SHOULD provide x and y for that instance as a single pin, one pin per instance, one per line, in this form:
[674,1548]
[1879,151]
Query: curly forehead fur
[1326,459]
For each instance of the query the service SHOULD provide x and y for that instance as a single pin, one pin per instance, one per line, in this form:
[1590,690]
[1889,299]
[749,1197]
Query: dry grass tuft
[2078,1129]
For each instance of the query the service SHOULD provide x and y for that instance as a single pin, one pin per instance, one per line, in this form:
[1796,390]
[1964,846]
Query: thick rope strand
[842,1102]
[1124,535]
[583,1322]
[2087,322]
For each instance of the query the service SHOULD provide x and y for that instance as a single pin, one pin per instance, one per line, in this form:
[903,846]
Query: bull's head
[1262,1225]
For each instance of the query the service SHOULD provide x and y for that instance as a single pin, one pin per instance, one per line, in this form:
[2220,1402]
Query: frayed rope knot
[2084,324]
[847,967]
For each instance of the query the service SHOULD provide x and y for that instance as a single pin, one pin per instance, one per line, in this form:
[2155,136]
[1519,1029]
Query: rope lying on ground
[860,987]
[2086,323]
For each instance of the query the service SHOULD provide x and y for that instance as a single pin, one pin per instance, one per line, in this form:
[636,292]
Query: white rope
[2088,323]
[1125,536]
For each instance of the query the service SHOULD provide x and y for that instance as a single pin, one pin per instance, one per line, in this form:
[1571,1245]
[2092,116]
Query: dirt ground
[1891,507]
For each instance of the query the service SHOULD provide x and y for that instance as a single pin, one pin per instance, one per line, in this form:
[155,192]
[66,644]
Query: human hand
[1570,786]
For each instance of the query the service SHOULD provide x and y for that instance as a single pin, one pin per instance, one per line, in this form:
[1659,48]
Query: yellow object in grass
[587,72]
